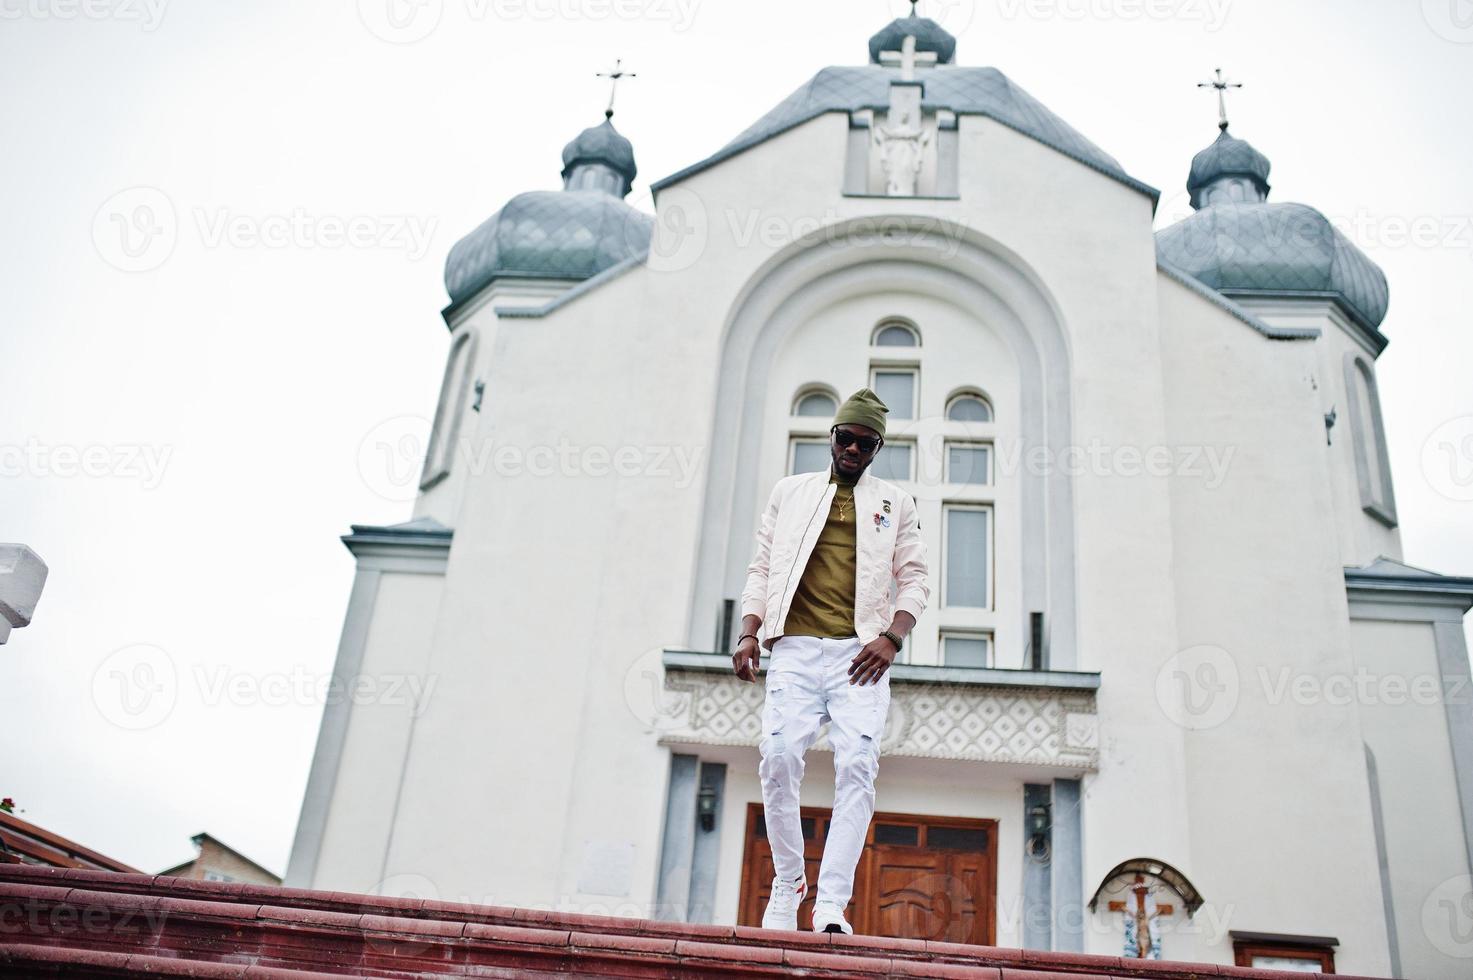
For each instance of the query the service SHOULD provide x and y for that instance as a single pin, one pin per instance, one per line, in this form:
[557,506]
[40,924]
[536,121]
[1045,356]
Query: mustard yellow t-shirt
[824,603]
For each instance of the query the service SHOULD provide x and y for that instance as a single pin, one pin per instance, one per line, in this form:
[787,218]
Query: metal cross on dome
[1222,85]
[614,74]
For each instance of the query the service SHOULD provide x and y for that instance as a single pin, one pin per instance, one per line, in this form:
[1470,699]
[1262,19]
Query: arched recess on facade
[885,255]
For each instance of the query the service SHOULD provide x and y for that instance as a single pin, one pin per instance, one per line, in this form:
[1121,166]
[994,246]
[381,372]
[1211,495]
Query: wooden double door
[918,877]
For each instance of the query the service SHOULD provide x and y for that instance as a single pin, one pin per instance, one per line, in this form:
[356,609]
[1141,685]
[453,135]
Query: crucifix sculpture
[1222,85]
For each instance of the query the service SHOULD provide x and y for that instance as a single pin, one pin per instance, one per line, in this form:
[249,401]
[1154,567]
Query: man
[819,589]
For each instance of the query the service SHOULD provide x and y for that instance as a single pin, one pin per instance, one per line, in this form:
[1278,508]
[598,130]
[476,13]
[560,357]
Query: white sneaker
[828,917]
[782,904]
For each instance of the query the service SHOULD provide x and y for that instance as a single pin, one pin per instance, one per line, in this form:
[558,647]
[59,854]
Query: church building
[1176,695]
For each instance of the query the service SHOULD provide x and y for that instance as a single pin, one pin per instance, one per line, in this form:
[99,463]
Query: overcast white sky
[222,394]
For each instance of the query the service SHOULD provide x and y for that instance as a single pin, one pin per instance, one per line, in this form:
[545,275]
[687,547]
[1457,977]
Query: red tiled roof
[37,845]
[79,923]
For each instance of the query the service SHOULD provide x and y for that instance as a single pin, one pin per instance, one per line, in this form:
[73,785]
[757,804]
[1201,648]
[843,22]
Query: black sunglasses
[846,439]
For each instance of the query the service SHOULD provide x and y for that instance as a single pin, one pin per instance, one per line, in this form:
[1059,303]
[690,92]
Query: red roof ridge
[228,929]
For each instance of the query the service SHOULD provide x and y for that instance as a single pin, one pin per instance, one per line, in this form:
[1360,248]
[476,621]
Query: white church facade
[1153,481]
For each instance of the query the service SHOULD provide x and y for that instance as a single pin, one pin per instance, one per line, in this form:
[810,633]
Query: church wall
[361,810]
[1405,728]
[532,779]
[1260,603]
[1363,537]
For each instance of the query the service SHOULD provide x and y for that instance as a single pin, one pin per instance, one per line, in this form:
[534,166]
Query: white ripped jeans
[807,684]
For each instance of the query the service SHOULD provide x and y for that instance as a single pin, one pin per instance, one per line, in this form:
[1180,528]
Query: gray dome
[568,235]
[929,35]
[602,144]
[1228,156]
[1276,250]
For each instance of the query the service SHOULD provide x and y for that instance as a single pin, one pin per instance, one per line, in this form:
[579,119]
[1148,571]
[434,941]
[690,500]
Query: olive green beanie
[863,408]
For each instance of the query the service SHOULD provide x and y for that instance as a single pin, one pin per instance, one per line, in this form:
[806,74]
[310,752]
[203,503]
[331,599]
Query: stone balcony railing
[1021,717]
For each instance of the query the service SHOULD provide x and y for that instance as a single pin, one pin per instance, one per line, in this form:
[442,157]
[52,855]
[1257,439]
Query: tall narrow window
[969,463]
[897,389]
[967,533]
[809,456]
[896,461]
[453,392]
[1372,469]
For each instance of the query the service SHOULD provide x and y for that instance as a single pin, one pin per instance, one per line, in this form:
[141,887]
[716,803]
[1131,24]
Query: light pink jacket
[887,540]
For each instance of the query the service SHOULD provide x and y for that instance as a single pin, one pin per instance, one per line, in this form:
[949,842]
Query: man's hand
[747,659]
[872,661]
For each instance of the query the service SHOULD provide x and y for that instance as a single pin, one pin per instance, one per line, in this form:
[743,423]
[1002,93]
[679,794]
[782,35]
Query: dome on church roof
[602,144]
[1228,156]
[962,89]
[568,235]
[1276,250]
[929,35]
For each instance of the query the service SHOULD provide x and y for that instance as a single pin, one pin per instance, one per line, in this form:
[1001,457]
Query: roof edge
[586,286]
[1228,306]
[736,149]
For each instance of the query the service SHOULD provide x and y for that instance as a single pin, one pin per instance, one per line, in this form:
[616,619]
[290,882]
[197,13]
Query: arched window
[969,406]
[1372,469]
[453,391]
[896,333]
[815,402]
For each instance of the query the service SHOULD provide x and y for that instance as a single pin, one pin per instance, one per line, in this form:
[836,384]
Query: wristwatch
[887,634]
